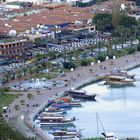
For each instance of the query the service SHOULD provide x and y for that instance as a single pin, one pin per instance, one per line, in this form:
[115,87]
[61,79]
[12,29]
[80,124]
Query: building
[32,1]
[13,48]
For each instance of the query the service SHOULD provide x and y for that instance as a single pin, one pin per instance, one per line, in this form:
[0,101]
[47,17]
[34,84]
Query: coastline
[84,79]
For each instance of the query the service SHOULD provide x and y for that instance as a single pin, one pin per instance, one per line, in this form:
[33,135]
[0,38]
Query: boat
[56,120]
[45,114]
[65,133]
[66,102]
[109,136]
[121,80]
[81,94]
[118,72]
[52,110]
[66,138]
[61,104]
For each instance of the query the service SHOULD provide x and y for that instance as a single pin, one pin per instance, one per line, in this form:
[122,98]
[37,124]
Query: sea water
[118,108]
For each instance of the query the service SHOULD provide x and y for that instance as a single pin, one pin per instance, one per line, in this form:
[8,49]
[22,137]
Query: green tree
[103,21]
[29,96]
[127,21]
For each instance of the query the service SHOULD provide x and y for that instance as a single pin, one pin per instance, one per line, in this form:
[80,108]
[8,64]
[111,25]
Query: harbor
[85,78]
[111,103]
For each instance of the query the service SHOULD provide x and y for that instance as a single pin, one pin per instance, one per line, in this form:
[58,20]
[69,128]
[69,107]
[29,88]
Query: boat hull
[79,96]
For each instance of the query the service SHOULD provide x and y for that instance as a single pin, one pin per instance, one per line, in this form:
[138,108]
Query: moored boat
[52,110]
[81,94]
[56,120]
[65,133]
[61,104]
[118,72]
[109,136]
[118,80]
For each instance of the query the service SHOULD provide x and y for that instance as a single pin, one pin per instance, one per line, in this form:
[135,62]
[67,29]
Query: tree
[84,63]
[103,21]
[69,65]
[29,96]
[40,42]
[116,13]
[127,21]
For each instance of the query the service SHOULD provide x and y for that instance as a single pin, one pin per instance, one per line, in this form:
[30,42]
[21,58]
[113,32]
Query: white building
[32,1]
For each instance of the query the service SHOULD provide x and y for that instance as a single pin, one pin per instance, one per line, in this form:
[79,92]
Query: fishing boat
[56,120]
[81,94]
[118,72]
[121,80]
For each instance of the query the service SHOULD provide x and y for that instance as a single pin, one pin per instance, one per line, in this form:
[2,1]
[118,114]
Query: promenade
[74,79]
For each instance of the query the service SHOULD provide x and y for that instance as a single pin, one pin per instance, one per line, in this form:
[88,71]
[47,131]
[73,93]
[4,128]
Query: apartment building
[13,48]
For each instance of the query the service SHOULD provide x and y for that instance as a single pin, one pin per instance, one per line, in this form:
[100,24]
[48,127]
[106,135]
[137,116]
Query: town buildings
[13,48]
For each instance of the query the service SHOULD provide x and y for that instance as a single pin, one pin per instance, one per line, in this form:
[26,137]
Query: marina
[112,103]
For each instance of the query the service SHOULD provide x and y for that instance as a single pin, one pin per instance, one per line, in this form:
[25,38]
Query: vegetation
[6,132]
[6,99]
[103,21]
[69,65]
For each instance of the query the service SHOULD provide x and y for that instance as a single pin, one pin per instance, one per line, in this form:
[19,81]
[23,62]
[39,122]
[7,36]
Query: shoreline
[85,77]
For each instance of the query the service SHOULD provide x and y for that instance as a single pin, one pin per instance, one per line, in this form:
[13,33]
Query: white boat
[62,133]
[109,136]
[118,72]
[118,80]
[56,120]
[55,111]
[66,138]
[69,137]
[46,114]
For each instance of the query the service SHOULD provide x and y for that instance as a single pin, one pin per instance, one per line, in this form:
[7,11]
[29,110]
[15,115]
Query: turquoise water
[118,108]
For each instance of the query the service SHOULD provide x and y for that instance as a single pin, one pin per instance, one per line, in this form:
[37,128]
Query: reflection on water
[118,108]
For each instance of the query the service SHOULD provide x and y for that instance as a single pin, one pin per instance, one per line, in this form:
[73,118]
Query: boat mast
[99,121]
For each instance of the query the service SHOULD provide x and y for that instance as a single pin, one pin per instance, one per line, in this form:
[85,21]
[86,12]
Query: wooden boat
[118,72]
[118,80]
[81,94]
[56,120]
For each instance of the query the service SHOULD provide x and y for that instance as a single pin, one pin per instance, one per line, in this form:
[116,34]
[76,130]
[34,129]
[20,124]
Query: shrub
[138,48]
[101,57]
[68,65]
[130,50]
[84,63]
